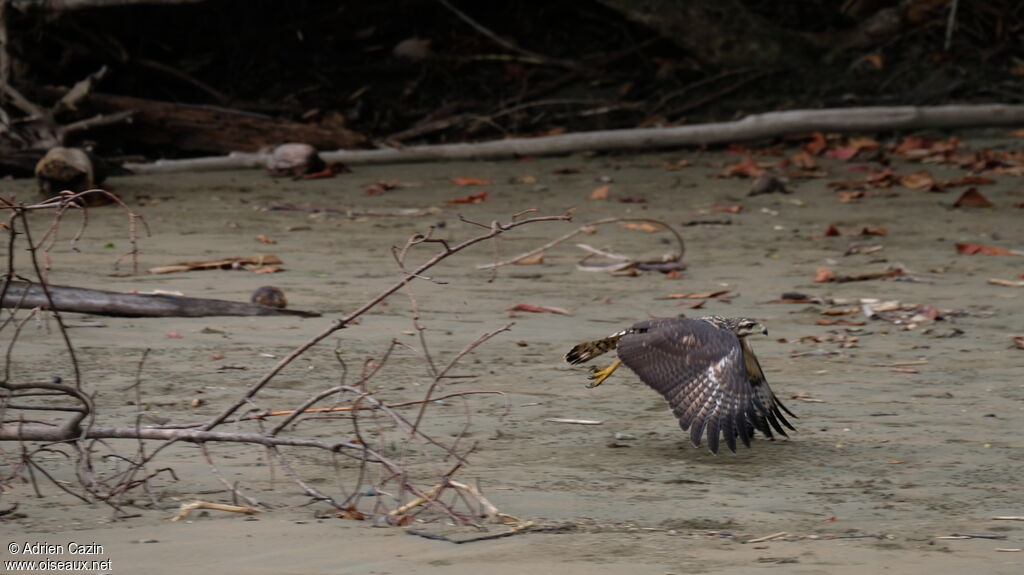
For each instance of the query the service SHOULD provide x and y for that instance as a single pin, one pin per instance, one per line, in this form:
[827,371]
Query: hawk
[704,368]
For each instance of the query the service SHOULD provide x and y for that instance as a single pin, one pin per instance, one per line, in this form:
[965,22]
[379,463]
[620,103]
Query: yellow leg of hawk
[599,375]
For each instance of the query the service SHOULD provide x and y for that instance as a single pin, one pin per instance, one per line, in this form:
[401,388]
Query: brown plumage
[704,368]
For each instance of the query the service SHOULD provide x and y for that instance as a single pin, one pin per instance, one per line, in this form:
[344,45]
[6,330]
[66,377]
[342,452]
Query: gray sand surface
[883,463]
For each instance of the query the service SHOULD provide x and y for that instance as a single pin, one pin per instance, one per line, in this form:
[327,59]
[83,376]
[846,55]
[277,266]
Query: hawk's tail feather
[589,350]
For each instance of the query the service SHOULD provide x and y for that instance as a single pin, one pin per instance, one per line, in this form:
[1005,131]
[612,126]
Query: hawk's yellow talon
[599,375]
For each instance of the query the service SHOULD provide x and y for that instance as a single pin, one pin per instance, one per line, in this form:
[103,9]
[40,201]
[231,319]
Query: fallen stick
[187,508]
[753,127]
[575,421]
[221,264]
[102,302]
[767,537]
[587,228]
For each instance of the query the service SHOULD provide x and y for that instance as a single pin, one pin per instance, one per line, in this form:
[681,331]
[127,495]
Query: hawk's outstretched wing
[701,371]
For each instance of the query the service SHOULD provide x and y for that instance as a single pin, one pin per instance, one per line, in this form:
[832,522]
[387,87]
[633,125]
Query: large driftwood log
[101,302]
[206,129]
[753,127]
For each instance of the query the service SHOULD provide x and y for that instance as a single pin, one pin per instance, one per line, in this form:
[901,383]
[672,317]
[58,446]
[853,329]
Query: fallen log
[101,302]
[755,127]
[204,129]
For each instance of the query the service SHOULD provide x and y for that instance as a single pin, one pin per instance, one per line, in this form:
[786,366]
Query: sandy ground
[882,464]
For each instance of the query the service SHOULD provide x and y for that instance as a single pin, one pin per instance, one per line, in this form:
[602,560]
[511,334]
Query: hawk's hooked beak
[764,329]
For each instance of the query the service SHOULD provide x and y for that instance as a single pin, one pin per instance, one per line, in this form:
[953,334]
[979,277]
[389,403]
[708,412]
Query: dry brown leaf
[918,180]
[849,311]
[676,165]
[848,197]
[823,275]
[476,198]
[531,308]
[641,226]
[873,231]
[1018,341]
[817,144]
[463,181]
[972,198]
[733,209]
[970,181]
[972,249]
[746,168]
[263,239]
[600,193]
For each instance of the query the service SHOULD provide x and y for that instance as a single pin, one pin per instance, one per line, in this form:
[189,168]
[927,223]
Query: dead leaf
[352,513]
[972,249]
[599,193]
[523,180]
[641,226]
[632,200]
[531,308]
[465,181]
[816,145]
[263,239]
[697,295]
[972,198]
[848,197]
[873,231]
[844,153]
[803,160]
[676,165]
[823,275]
[849,311]
[530,260]
[970,181]
[831,231]
[267,270]
[746,168]
[1018,341]
[733,209]
[839,322]
[381,186]
[476,198]
[918,180]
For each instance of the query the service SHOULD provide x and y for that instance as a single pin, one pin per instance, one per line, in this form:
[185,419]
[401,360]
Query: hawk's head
[741,326]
